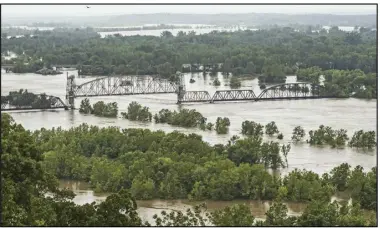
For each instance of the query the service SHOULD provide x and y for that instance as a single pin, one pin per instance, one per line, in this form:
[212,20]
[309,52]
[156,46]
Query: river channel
[351,114]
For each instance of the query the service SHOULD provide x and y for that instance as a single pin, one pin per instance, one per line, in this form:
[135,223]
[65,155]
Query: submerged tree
[298,134]
[252,128]
[85,106]
[271,128]
[137,112]
[362,139]
[222,125]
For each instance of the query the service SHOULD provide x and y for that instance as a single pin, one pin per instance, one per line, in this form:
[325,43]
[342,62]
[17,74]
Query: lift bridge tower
[181,90]
[70,87]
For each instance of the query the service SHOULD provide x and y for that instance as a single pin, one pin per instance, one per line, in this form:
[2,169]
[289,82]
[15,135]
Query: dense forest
[347,61]
[270,52]
[140,164]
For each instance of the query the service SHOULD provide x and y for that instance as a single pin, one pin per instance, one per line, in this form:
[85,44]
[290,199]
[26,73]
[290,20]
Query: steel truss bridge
[135,85]
[139,85]
[286,91]
[39,102]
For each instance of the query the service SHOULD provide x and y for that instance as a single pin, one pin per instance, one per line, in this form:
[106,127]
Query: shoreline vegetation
[191,118]
[141,164]
[346,59]
[144,164]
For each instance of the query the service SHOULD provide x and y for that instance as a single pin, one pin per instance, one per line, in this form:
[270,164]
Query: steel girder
[124,85]
[233,95]
[290,91]
[195,96]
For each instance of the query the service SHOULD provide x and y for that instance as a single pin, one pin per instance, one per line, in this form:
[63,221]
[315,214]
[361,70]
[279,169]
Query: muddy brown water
[351,114]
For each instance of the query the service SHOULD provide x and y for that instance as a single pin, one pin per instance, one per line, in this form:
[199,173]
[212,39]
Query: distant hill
[249,19]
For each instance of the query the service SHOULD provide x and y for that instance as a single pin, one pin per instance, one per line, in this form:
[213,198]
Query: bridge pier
[70,96]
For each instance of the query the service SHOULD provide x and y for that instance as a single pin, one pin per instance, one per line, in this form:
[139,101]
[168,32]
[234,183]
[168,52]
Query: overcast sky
[98,10]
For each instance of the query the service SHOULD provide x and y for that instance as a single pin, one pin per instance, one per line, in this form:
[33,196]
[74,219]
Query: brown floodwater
[148,208]
[351,114]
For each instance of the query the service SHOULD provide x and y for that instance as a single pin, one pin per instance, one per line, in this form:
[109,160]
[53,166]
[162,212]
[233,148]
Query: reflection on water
[351,114]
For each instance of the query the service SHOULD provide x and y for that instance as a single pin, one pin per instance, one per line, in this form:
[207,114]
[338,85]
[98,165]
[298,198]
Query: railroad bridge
[139,85]
[135,85]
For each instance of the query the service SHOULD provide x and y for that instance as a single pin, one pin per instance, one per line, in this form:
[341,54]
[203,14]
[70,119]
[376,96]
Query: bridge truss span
[233,95]
[124,85]
[194,96]
[299,90]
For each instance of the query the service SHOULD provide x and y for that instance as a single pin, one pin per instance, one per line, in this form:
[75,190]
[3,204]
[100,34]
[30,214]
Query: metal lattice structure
[233,95]
[288,91]
[194,96]
[41,101]
[134,85]
[117,86]
[124,85]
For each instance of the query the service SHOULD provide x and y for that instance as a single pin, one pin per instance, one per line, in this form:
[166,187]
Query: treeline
[271,53]
[342,83]
[179,163]
[324,135]
[136,112]
[178,166]
[23,98]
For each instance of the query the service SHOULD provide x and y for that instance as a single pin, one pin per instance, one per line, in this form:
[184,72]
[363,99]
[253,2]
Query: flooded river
[351,114]
[148,208]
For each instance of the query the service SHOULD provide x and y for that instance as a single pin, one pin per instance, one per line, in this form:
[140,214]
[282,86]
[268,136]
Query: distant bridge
[139,85]
[285,91]
[38,102]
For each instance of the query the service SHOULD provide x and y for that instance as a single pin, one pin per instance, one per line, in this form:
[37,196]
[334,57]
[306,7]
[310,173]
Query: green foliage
[137,112]
[362,139]
[298,134]
[340,176]
[272,73]
[326,135]
[235,82]
[177,218]
[222,125]
[85,106]
[252,128]
[143,188]
[305,186]
[23,98]
[345,83]
[236,215]
[183,118]
[311,74]
[238,51]
[106,110]
[25,183]
[280,136]
[271,128]
[170,166]
[216,82]
[253,151]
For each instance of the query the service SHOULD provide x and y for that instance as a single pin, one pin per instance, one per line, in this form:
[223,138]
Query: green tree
[298,134]
[222,125]
[271,128]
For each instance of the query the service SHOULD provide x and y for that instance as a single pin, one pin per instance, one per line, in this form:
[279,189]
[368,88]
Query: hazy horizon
[54,11]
